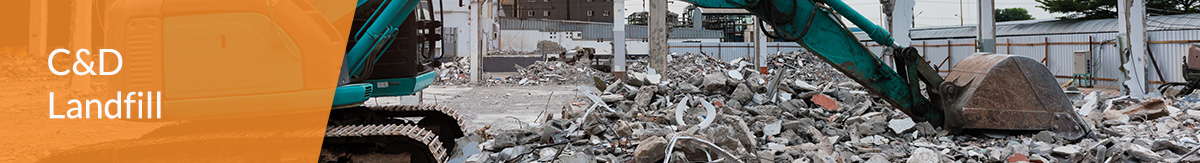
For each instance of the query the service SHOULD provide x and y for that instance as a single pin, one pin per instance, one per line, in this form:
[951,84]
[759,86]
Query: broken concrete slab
[773,127]
[714,82]
[1143,154]
[643,97]
[611,98]
[1150,110]
[478,158]
[872,127]
[650,150]
[901,125]
[924,155]
[877,159]
[742,93]
[1069,150]
[1045,136]
[804,85]
[925,129]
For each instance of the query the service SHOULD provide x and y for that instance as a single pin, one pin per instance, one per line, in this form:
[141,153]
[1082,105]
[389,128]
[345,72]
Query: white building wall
[457,19]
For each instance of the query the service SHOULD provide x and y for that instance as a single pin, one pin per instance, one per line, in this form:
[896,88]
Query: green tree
[1012,14]
[1099,9]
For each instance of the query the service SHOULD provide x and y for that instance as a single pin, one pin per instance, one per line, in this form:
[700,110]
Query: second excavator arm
[985,91]
[814,25]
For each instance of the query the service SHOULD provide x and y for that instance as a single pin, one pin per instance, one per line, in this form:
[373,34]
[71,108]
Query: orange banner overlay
[168,81]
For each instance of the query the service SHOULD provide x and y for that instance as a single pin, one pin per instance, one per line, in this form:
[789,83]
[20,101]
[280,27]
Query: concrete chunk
[650,150]
[901,125]
[924,155]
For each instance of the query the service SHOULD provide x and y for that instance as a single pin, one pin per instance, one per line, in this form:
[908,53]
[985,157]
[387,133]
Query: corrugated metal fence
[1055,50]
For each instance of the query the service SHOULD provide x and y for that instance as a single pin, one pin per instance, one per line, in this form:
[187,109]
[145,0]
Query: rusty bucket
[1008,92]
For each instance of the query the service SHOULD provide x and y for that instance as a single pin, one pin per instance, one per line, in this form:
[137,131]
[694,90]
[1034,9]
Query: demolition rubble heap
[538,73]
[803,110]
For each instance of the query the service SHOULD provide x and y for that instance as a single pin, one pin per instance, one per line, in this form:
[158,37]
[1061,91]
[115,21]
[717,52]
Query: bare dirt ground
[482,105]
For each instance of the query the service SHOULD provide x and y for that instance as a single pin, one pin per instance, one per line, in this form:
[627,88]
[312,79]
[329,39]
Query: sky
[928,12]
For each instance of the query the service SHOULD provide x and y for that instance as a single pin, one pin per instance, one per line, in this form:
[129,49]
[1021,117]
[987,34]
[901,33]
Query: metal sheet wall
[1168,47]
[728,51]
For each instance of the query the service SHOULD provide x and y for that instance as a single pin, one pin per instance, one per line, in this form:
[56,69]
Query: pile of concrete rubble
[454,73]
[555,73]
[803,110]
[538,73]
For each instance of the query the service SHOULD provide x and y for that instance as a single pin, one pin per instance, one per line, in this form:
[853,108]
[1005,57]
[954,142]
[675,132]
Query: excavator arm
[984,91]
[813,25]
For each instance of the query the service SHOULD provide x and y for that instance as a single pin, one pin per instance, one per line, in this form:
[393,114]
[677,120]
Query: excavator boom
[976,96]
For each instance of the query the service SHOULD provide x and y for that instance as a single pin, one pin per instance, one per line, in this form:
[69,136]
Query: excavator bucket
[1008,92]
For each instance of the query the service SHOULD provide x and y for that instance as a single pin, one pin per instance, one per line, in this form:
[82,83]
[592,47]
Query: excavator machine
[983,92]
[389,52]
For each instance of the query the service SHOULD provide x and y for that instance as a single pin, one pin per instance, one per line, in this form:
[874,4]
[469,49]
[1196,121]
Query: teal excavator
[983,92]
[389,53]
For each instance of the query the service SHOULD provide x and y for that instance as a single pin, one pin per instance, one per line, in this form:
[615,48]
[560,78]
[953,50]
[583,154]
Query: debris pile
[803,110]
[538,73]
[454,73]
[555,73]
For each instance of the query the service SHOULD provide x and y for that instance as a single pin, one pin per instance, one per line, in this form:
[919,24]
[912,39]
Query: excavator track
[443,121]
[362,141]
[383,133]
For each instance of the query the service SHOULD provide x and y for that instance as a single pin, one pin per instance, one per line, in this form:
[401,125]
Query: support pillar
[618,39]
[760,47]
[902,21]
[478,45]
[38,19]
[658,35]
[1131,16]
[987,27]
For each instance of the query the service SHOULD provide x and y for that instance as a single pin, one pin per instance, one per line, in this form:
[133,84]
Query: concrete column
[760,47]
[698,18]
[658,35]
[987,26]
[477,45]
[618,39]
[1131,16]
[37,27]
[902,20]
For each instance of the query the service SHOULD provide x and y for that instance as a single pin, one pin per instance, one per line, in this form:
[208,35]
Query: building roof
[1054,26]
